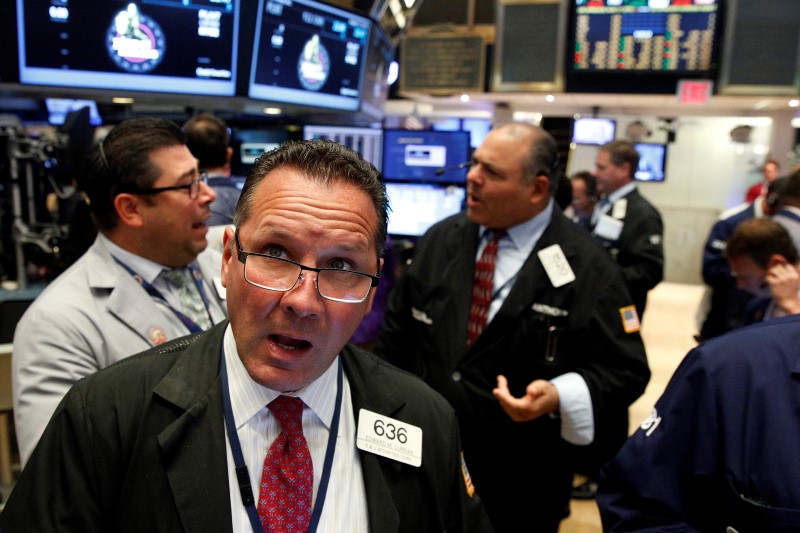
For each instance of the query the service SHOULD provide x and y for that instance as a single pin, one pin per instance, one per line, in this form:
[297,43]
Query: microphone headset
[442,170]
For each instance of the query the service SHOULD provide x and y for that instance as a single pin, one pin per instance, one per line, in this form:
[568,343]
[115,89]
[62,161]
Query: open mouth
[289,343]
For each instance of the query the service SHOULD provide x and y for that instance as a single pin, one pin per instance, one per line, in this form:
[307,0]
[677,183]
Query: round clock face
[314,65]
[135,41]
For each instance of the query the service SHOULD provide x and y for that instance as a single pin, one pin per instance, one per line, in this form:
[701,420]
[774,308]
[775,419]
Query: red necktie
[287,479]
[482,286]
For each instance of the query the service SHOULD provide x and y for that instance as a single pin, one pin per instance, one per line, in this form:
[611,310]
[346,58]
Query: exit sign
[695,91]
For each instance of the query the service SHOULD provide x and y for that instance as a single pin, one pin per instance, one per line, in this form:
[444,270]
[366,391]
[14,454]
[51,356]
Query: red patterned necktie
[284,503]
[482,286]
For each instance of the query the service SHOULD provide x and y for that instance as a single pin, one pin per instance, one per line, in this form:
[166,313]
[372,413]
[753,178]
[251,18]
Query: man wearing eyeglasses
[144,281]
[271,422]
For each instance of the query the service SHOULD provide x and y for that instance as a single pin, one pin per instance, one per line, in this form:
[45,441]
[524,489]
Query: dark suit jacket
[522,470]
[140,446]
[639,250]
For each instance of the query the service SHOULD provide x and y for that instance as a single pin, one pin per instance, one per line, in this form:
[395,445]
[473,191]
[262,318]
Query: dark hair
[324,162]
[759,239]
[622,152]
[542,157]
[591,183]
[208,140]
[121,162]
[785,190]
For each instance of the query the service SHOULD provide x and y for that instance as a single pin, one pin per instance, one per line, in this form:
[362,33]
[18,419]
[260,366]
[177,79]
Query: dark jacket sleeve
[663,479]
[641,253]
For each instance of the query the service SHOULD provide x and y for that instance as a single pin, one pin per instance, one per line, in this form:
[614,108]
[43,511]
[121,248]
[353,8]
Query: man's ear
[228,244]
[775,260]
[540,189]
[128,207]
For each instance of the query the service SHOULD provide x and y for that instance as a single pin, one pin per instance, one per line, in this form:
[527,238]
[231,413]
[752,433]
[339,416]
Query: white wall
[706,173]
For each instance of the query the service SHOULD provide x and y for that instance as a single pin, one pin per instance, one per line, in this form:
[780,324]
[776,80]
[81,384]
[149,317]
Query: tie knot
[289,412]
[497,234]
[175,276]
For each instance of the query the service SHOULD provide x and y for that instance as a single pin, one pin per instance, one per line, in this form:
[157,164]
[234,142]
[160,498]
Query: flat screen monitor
[426,156]
[161,46]
[57,109]
[655,42]
[366,141]
[375,89]
[652,161]
[308,53]
[592,130]
[417,206]
[478,128]
[249,144]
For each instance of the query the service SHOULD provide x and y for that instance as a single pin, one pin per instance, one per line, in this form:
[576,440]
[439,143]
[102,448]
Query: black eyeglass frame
[201,177]
[242,257]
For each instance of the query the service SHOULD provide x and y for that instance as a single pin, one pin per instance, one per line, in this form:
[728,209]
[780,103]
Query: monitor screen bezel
[450,174]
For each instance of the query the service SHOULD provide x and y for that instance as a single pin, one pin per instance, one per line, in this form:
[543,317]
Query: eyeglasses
[193,187]
[278,274]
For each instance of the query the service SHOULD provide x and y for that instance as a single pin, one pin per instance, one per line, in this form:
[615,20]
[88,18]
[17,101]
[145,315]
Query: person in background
[719,450]
[625,223]
[764,261]
[531,353]
[218,431]
[724,305]
[208,138]
[144,281]
[584,198]
[770,170]
[786,203]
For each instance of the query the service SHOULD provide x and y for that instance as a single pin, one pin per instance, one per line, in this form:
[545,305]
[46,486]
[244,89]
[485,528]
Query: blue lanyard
[788,214]
[242,475]
[153,292]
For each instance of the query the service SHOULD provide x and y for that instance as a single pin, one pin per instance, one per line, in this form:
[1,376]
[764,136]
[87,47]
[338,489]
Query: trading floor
[667,330]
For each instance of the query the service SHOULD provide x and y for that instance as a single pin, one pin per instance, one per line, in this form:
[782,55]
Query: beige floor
[667,330]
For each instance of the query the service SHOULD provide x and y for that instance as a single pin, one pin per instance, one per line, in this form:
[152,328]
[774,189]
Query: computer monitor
[652,161]
[309,53]
[592,130]
[642,45]
[366,141]
[426,156]
[170,47]
[57,109]
[248,144]
[375,88]
[415,207]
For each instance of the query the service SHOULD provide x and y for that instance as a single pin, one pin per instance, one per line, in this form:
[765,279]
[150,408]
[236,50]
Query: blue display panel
[171,46]
[652,161]
[308,53]
[416,206]
[57,109]
[425,156]
[645,35]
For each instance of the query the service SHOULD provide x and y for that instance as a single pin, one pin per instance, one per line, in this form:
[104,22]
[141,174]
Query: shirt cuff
[575,408]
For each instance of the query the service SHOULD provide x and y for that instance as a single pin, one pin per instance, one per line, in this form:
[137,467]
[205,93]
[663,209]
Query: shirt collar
[249,397]
[526,235]
[622,191]
[149,270]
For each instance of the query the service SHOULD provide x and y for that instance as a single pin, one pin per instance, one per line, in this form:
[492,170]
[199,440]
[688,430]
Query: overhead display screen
[174,46]
[645,35]
[308,53]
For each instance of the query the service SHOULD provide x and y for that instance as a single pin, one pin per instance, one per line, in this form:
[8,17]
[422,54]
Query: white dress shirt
[345,507]
[575,401]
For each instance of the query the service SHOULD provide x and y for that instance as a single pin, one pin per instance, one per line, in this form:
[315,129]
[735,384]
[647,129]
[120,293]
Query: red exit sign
[695,91]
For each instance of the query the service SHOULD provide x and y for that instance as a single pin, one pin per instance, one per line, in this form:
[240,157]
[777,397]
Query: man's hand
[541,398]
[783,280]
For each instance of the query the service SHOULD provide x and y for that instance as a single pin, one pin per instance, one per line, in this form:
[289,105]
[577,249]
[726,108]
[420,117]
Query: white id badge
[556,265]
[620,208]
[608,227]
[388,437]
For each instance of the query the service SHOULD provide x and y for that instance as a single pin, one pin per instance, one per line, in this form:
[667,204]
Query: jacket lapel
[193,447]
[127,300]
[380,474]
